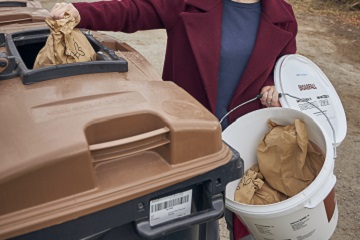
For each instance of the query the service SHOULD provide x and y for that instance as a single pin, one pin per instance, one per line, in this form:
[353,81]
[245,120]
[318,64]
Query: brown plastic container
[19,4]
[20,12]
[76,145]
[138,66]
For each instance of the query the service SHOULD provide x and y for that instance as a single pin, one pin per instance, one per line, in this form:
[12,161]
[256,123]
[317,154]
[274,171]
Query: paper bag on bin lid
[64,44]
[253,190]
[287,159]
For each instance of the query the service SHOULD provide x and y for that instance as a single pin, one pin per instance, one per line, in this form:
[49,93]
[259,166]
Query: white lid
[298,76]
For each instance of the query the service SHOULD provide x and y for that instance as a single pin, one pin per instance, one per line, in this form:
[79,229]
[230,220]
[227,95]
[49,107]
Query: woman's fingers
[270,97]
[263,99]
[275,99]
[264,92]
[58,10]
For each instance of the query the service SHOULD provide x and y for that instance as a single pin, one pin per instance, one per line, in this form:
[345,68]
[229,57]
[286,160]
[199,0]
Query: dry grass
[353,5]
[331,8]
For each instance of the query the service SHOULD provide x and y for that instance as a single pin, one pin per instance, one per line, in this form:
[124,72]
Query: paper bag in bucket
[65,44]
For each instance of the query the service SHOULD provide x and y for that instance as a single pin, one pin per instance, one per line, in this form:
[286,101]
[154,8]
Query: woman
[220,51]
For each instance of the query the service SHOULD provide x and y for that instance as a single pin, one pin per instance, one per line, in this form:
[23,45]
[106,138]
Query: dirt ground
[332,40]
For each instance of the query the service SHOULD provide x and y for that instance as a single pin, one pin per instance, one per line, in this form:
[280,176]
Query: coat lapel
[203,28]
[270,41]
[204,32]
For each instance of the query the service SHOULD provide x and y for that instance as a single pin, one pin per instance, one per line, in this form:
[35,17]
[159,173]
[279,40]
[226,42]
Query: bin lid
[298,76]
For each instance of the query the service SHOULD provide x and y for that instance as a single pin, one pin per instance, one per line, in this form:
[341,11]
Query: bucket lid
[298,76]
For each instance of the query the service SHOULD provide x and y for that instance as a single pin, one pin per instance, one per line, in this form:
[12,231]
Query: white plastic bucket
[303,216]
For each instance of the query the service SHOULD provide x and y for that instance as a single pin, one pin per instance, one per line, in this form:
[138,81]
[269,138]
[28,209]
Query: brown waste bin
[95,149]
[4,4]
[21,11]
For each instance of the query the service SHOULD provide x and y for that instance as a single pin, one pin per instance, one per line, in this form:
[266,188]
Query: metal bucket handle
[286,94]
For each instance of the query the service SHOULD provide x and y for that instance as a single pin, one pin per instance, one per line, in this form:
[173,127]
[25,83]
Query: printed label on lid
[310,92]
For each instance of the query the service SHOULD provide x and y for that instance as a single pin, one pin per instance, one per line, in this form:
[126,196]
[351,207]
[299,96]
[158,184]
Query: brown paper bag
[253,190]
[64,44]
[287,159]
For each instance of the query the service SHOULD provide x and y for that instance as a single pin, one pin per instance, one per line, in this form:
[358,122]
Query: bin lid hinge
[2,39]
[8,66]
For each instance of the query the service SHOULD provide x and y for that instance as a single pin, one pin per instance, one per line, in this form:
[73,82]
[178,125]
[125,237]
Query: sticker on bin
[169,208]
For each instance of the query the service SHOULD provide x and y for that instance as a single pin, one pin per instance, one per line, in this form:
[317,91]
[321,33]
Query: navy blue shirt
[240,23]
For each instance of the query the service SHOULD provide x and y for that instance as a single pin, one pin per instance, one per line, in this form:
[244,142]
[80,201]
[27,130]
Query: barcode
[324,102]
[305,236]
[264,229]
[169,204]
[308,105]
[297,226]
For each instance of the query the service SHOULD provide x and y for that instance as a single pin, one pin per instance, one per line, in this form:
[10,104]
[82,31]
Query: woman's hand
[57,12]
[270,97]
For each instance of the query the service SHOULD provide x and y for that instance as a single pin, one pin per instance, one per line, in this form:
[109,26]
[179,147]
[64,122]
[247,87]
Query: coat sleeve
[290,47]
[129,15]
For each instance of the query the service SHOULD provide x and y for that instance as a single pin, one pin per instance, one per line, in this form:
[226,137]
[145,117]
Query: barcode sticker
[301,223]
[170,207]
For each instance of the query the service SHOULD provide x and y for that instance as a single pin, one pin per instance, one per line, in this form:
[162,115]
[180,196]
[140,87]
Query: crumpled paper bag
[254,190]
[288,161]
[64,44]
